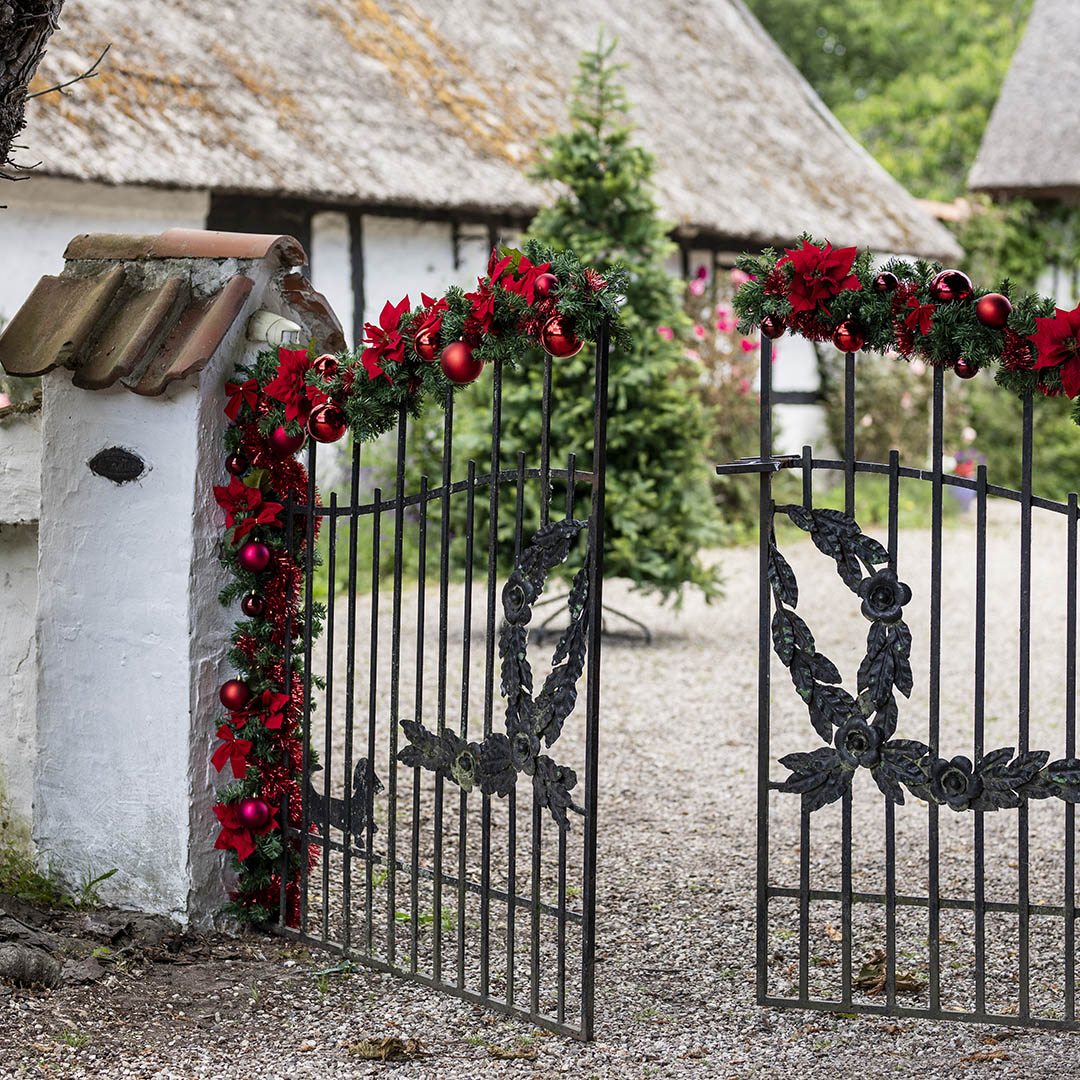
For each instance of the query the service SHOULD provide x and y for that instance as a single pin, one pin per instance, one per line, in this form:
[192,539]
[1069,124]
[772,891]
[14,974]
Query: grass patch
[21,878]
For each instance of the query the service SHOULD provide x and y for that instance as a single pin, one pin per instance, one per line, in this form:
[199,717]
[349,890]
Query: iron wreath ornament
[495,764]
[860,730]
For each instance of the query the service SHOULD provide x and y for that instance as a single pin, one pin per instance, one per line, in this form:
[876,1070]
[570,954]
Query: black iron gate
[489,895]
[947,888]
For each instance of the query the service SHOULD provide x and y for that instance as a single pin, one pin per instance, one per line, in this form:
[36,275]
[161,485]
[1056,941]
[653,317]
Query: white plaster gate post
[134,341]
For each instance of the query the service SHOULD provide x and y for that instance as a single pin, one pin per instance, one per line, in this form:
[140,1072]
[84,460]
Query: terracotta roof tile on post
[111,319]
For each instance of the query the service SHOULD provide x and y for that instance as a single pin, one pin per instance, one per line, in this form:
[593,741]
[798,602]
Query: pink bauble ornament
[255,813]
[772,326]
[253,557]
[949,286]
[458,363]
[235,694]
[252,605]
[325,365]
[282,444]
[885,282]
[327,422]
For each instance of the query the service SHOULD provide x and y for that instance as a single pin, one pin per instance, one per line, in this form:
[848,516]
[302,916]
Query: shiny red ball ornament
[886,282]
[252,605]
[253,557]
[772,326]
[993,310]
[237,465]
[255,813]
[543,285]
[327,422]
[949,286]
[325,365]
[458,363]
[847,337]
[283,444]
[426,343]
[964,370]
[234,695]
[559,339]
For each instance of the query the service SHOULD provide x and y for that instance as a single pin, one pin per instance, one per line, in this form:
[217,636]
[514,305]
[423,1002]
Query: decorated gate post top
[134,341]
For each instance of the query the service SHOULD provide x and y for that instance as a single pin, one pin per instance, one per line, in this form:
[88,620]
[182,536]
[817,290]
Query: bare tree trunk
[25,26]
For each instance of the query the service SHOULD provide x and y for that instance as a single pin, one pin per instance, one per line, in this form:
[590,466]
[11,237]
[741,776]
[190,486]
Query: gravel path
[675,978]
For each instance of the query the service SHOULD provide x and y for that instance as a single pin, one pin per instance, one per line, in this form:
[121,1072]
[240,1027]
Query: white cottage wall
[44,213]
[20,468]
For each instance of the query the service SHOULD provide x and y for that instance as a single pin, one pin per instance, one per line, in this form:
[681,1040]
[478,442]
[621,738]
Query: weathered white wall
[132,641]
[44,213]
[20,438]
[331,264]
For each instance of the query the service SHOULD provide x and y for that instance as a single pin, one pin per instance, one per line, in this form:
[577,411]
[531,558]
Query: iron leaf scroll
[495,764]
[859,730]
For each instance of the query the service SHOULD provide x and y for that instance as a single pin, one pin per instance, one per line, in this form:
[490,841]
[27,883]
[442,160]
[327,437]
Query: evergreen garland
[276,398]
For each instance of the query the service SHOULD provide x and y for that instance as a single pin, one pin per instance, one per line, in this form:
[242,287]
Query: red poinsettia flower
[384,340]
[240,394]
[478,321]
[1058,342]
[246,504]
[820,273]
[920,317]
[235,834]
[432,315]
[287,386]
[232,750]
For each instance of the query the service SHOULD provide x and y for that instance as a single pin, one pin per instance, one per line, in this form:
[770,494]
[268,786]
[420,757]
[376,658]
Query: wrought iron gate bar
[1030,775]
[773,465]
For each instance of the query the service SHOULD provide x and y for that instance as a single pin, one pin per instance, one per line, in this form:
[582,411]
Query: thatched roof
[438,104]
[1031,147]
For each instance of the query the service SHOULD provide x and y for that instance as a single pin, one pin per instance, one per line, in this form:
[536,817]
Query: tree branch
[89,73]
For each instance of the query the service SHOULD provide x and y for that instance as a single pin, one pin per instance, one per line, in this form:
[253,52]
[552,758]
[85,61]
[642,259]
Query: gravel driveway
[677,854]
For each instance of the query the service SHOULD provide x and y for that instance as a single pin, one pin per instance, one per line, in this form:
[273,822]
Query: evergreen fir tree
[661,514]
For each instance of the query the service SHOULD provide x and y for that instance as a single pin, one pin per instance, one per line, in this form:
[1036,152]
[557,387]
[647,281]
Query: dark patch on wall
[117,464]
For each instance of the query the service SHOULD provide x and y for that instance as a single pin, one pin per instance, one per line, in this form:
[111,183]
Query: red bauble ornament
[252,605]
[950,285]
[283,444]
[964,370]
[993,310]
[886,282]
[253,557]
[325,366]
[255,813]
[237,464]
[234,694]
[847,337]
[543,285]
[559,339]
[772,326]
[458,363]
[327,422]
[426,343]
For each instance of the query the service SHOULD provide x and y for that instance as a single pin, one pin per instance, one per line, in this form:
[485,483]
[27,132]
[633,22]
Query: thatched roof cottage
[391,137]
[1031,146]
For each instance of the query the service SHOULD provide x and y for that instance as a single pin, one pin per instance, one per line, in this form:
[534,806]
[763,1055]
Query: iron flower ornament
[859,731]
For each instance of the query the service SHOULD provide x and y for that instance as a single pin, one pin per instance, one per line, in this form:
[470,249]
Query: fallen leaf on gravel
[388,1049]
[993,1040]
[832,933]
[872,977]
[509,1053]
[987,1055]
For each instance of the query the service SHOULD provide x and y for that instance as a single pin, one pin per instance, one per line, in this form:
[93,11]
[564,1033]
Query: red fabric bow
[246,393]
[232,750]
[235,834]
[270,705]
[921,316]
